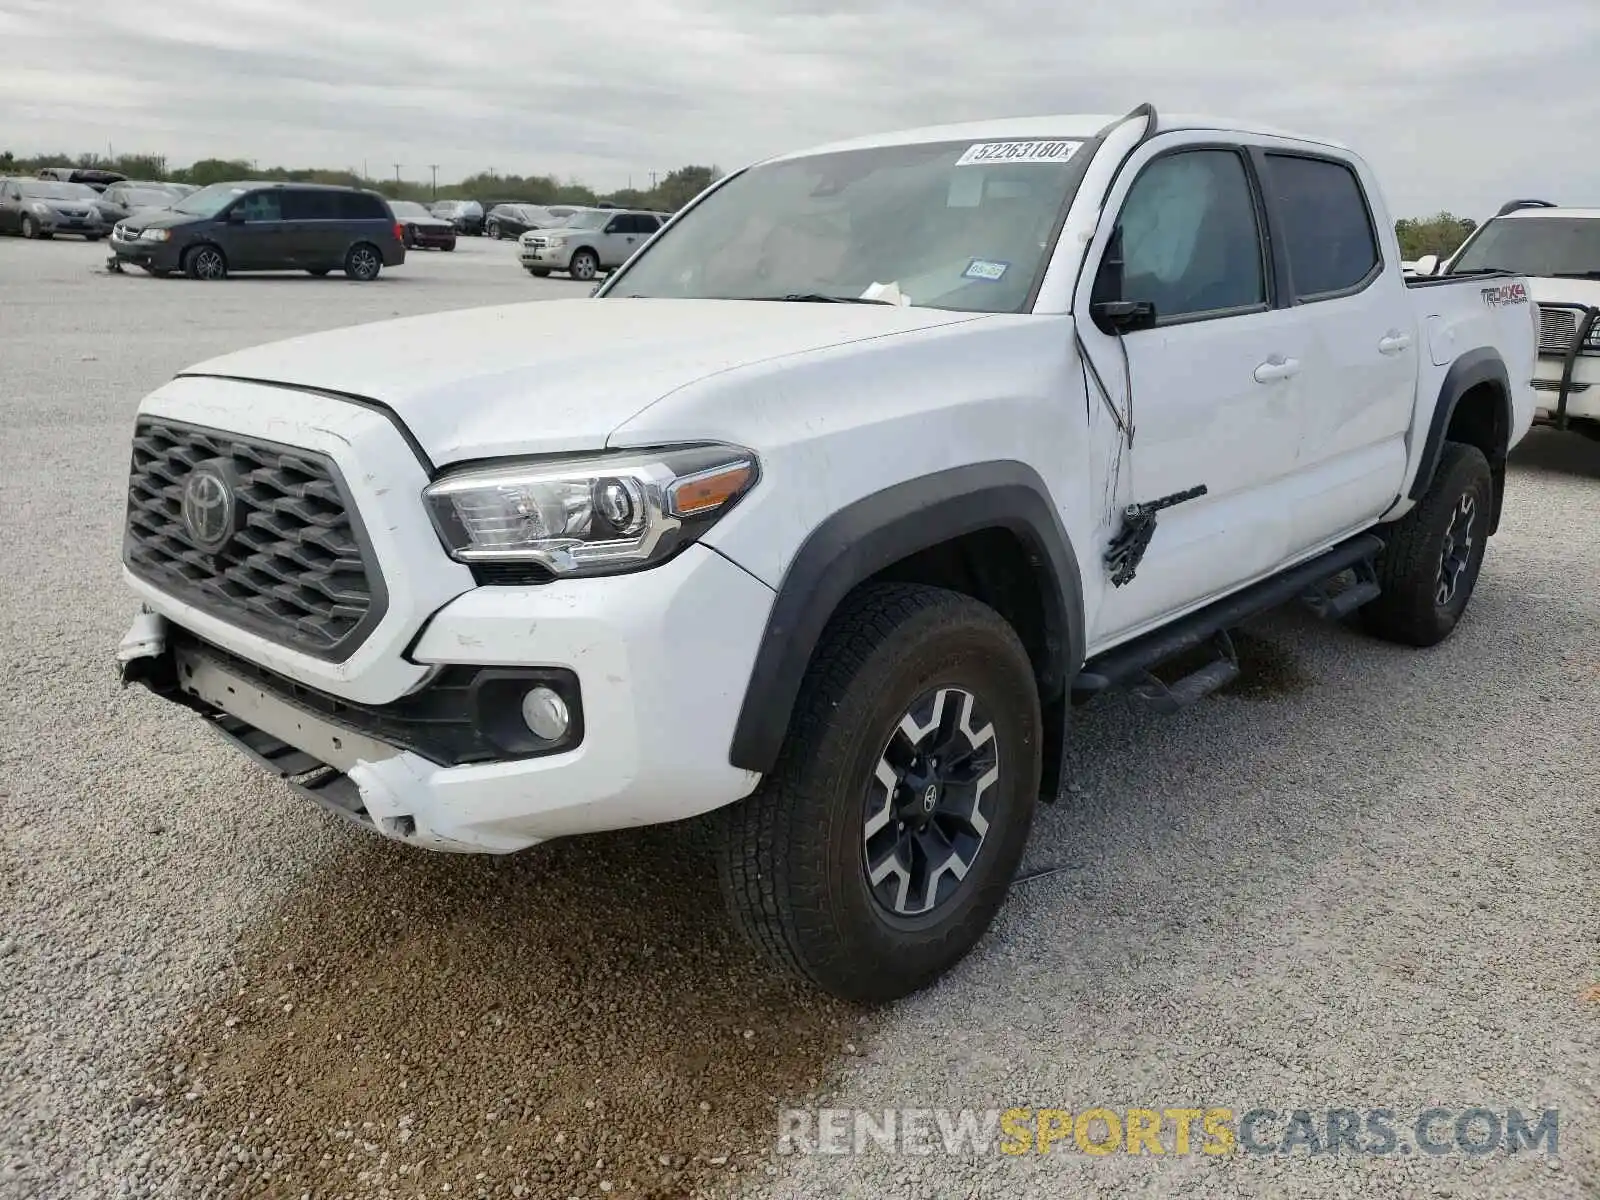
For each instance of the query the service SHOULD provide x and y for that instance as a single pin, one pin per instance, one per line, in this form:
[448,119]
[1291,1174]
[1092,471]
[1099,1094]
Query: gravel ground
[1363,879]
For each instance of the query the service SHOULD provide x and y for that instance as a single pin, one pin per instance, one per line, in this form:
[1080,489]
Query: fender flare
[1483,365]
[879,530]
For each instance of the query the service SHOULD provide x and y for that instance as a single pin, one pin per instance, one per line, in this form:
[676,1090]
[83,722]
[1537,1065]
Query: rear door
[313,217]
[1360,368]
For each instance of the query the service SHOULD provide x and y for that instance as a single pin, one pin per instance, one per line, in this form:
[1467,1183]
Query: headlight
[42,209]
[591,516]
[556,239]
[154,235]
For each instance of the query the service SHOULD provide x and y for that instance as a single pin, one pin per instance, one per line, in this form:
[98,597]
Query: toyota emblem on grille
[209,509]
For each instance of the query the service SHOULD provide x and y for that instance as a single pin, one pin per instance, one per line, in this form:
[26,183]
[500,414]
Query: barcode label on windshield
[1017,152]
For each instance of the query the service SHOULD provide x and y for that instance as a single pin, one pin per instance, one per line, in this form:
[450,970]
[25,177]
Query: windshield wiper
[1575,275]
[818,298]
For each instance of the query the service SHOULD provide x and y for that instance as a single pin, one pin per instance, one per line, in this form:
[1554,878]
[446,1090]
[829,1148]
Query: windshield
[209,201]
[145,198]
[408,208]
[1546,246]
[951,225]
[44,189]
[585,220]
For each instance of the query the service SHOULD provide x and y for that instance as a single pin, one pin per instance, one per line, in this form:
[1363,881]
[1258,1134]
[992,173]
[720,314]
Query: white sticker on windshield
[983,268]
[1017,152]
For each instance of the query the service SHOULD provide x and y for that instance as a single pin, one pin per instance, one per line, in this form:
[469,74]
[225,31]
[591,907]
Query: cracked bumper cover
[661,659]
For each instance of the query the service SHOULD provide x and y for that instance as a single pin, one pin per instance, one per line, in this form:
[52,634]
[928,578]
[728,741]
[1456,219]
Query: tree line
[1439,234]
[670,193]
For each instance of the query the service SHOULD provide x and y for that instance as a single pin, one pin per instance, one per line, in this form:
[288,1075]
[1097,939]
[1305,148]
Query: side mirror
[1428,264]
[235,216]
[1123,316]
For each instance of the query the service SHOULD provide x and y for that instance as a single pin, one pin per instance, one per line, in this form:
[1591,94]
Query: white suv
[590,241]
[1559,250]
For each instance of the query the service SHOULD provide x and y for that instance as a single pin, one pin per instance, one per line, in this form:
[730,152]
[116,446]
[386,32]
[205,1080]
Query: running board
[1131,663]
[1335,606]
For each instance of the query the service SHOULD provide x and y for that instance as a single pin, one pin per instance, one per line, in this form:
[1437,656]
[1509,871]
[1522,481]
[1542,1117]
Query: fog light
[545,713]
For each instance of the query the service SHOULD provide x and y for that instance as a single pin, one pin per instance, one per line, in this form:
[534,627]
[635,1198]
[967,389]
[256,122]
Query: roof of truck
[1068,125]
[1557,211]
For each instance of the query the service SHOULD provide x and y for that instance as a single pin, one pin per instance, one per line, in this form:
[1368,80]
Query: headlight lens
[556,239]
[154,235]
[590,516]
[42,209]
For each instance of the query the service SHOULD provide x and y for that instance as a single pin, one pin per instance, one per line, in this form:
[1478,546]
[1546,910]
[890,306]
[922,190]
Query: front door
[1216,381]
[257,243]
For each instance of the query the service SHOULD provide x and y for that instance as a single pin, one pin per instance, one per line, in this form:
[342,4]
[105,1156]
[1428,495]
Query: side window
[1331,244]
[354,206]
[310,206]
[262,206]
[1191,243]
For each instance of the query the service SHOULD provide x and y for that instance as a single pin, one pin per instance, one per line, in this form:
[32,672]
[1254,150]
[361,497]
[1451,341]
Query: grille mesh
[298,571]
[1557,328]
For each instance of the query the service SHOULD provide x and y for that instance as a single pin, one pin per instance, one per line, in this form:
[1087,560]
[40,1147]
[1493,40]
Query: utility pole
[434,167]
[652,181]
[364,174]
[397,172]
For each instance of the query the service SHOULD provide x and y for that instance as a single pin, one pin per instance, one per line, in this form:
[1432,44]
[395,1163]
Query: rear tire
[851,883]
[363,263]
[319,272]
[1430,565]
[539,272]
[205,262]
[91,237]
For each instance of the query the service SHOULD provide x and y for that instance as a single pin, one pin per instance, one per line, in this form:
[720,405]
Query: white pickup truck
[828,506]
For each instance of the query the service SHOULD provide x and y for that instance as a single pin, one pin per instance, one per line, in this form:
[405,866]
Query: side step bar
[1132,663]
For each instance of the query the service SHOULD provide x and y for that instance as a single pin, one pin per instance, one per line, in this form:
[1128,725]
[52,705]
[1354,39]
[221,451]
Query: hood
[157,218]
[1546,290]
[555,375]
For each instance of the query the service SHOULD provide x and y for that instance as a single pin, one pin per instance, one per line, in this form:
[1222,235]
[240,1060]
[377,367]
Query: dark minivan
[264,227]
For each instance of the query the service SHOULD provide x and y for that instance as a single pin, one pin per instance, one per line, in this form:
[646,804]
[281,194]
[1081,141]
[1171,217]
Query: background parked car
[465,215]
[95,178]
[514,220]
[124,199]
[590,241]
[265,227]
[42,208]
[421,229]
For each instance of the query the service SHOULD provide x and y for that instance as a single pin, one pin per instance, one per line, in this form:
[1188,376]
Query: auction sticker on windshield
[1017,152]
[983,268]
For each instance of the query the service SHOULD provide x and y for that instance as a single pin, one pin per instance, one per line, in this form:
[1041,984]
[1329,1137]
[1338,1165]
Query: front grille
[299,570]
[1557,329]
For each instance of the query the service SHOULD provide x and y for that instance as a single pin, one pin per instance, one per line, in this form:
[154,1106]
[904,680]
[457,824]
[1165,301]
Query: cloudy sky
[1460,105]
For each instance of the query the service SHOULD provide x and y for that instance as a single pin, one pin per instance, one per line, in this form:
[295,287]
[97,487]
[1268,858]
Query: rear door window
[1332,247]
[310,205]
[357,206]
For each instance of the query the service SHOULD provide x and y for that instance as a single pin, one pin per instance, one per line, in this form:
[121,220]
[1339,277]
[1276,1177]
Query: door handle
[1394,342]
[1276,368]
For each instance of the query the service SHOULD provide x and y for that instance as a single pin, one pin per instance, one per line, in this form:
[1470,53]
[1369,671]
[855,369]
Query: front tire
[881,846]
[205,262]
[1430,565]
[30,228]
[584,266]
[363,263]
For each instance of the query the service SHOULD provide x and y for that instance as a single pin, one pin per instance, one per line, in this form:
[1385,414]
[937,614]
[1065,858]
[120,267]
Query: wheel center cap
[930,798]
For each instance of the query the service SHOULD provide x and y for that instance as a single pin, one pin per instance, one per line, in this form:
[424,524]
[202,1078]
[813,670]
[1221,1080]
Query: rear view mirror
[1124,316]
[1426,265]
[235,216]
